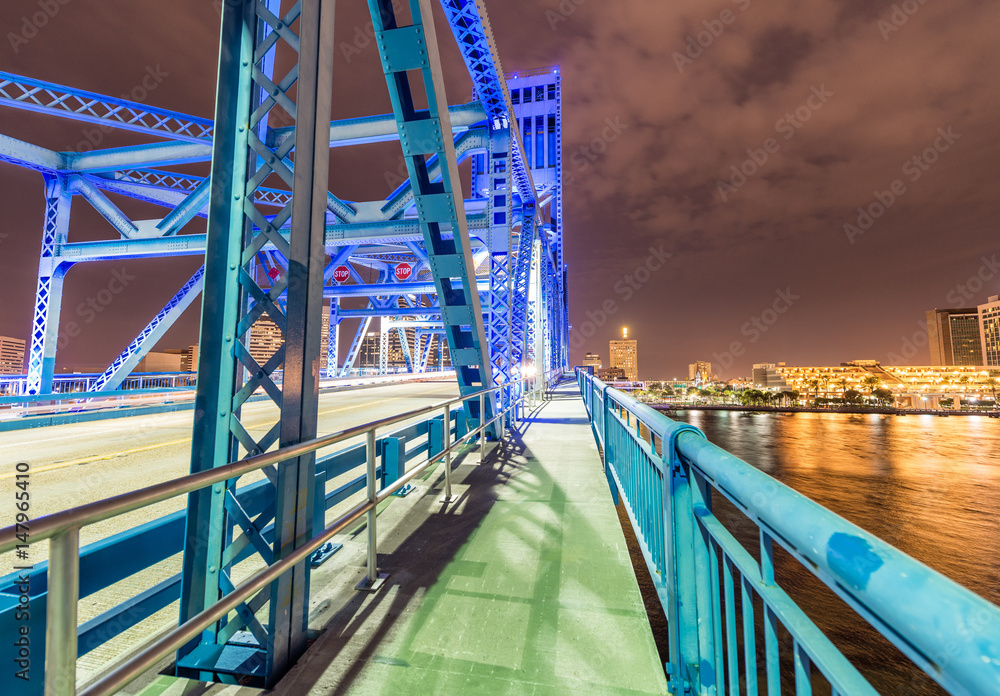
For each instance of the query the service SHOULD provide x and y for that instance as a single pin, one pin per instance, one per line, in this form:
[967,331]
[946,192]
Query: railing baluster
[771,652]
[770,620]
[61,606]
[482,428]
[447,454]
[749,637]
[803,672]
[732,656]
[713,555]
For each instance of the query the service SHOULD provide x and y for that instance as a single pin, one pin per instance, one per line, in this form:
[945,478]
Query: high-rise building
[625,355]
[11,356]
[266,338]
[592,360]
[369,352]
[700,371]
[371,348]
[989,328]
[954,337]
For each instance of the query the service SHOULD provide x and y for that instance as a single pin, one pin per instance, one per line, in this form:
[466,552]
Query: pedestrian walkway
[522,586]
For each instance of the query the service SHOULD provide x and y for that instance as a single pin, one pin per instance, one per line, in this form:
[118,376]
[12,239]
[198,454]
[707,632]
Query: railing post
[371,581]
[446,427]
[682,539]
[61,605]
[482,427]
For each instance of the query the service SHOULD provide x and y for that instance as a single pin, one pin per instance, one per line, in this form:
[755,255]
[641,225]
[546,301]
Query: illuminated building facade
[700,371]
[913,386]
[266,338]
[625,355]
[954,337]
[11,356]
[989,327]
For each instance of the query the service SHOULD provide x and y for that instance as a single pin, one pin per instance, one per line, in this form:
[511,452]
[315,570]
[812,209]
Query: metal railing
[709,584]
[62,529]
[17,385]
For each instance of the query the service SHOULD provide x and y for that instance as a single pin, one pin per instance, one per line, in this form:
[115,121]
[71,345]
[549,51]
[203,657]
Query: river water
[928,485]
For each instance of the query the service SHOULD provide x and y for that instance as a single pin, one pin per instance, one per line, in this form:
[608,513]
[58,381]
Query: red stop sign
[403,271]
[340,274]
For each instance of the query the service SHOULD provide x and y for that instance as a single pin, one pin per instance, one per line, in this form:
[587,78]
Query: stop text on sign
[341,273]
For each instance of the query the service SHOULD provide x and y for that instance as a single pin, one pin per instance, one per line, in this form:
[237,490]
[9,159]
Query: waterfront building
[765,376]
[700,372]
[914,386]
[989,327]
[625,355]
[954,336]
[592,360]
[11,356]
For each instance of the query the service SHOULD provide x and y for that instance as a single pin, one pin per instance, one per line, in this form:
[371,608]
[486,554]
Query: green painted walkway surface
[523,586]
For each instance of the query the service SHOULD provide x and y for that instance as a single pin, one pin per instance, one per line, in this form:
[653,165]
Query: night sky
[713,154]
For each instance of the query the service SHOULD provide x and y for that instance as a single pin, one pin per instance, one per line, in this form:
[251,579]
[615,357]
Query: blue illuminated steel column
[440,206]
[48,297]
[263,637]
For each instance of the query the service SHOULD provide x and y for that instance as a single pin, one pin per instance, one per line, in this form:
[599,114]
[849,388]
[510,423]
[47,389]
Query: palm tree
[814,385]
[842,383]
[992,383]
[871,382]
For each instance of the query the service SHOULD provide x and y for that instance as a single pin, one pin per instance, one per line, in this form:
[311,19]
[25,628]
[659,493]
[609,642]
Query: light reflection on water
[928,485]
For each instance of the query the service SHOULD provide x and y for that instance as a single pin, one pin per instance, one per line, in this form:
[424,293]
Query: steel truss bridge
[484,273]
[506,238]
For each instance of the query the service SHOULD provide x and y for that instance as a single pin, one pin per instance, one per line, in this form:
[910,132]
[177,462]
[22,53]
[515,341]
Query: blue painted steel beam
[48,296]
[355,349]
[390,289]
[68,102]
[123,365]
[163,154]
[470,24]
[30,156]
[389,232]
[439,205]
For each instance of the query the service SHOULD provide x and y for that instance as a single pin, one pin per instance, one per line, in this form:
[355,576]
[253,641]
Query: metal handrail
[63,529]
[950,632]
